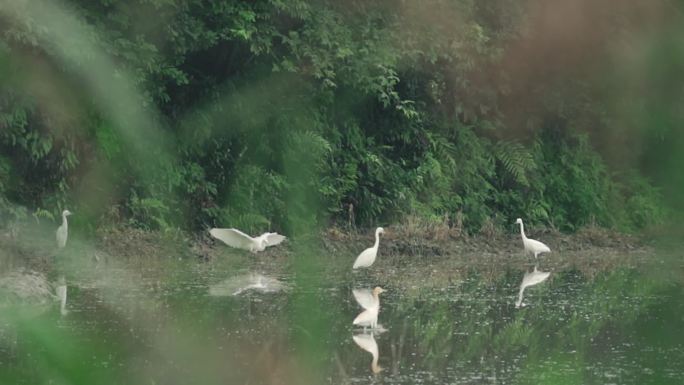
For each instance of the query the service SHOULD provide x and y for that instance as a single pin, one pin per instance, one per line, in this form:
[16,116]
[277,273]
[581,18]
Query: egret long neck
[377,240]
[522,231]
[376,298]
[520,296]
[64,221]
[374,364]
[62,301]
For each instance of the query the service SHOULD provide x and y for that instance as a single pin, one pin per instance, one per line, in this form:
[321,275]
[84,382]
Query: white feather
[238,239]
[367,257]
[273,239]
[63,230]
[233,238]
[531,246]
[367,317]
[535,247]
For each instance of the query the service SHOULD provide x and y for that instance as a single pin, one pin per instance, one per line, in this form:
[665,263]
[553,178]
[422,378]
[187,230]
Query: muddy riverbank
[433,254]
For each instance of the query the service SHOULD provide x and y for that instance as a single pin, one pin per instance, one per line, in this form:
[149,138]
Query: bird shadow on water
[243,283]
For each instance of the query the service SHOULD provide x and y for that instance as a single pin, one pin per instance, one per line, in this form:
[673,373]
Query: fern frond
[516,160]
[444,150]
[314,145]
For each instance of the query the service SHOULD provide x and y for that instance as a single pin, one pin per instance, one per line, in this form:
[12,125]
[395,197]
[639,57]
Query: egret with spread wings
[240,240]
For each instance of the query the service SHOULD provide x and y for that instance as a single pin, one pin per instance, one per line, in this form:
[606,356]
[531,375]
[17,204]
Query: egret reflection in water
[245,282]
[61,292]
[531,278]
[31,289]
[366,341]
[370,301]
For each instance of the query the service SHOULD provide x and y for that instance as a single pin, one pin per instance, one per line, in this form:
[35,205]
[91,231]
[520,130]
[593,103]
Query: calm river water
[248,319]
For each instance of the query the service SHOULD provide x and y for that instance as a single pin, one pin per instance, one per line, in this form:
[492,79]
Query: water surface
[264,319]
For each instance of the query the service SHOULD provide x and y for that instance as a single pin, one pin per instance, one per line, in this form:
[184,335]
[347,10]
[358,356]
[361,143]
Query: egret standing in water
[63,230]
[367,257]
[530,279]
[371,302]
[238,239]
[531,245]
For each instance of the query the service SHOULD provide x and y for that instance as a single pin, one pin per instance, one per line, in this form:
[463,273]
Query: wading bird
[63,230]
[367,343]
[367,257]
[371,302]
[531,278]
[240,240]
[531,246]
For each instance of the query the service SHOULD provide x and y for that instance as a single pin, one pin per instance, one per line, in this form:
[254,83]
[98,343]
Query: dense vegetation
[254,114]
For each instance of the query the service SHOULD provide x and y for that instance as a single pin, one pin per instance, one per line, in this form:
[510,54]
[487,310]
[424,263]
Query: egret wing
[273,239]
[61,236]
[535,277]
[366,318]
[538,246]
[365,298]
[365,259]
[232,237]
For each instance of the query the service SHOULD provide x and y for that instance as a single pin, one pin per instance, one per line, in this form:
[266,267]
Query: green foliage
[644,203]
[252,114]
[577,183]
[516,160]
[149,213]
[255,199]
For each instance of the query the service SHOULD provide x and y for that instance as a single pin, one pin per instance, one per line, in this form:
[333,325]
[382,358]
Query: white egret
[367,343]
[63,230]
[531,278]
[531,245]
[240,240]
[370,301]
[367,257]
